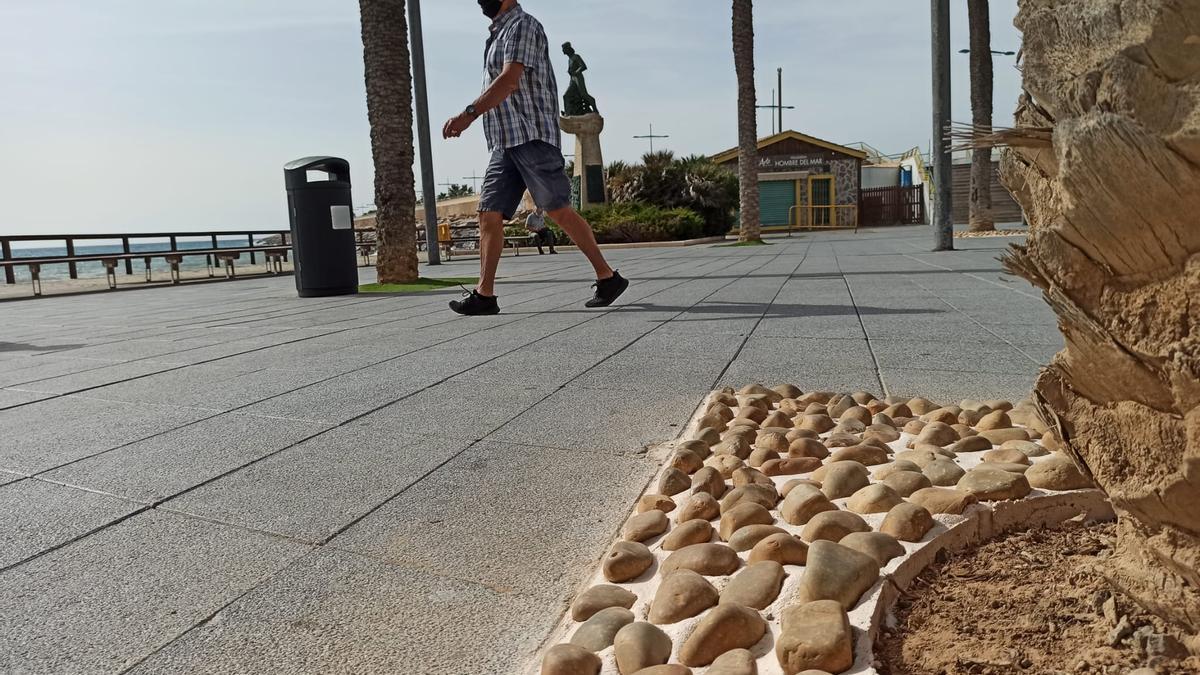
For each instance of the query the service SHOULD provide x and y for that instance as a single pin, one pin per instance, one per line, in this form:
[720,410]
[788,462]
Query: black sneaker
[474,304]
[608,290]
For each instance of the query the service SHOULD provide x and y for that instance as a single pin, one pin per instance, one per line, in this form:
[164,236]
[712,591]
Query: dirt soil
[1028,603]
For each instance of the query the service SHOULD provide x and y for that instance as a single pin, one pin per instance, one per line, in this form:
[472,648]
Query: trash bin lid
[295,173]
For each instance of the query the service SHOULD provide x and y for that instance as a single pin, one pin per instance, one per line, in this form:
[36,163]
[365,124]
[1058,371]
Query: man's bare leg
[581,233]
[491,244]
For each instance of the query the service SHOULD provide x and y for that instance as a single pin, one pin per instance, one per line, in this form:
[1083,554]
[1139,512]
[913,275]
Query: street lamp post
[422,105]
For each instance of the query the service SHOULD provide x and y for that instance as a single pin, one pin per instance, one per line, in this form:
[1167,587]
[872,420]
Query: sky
[178,115]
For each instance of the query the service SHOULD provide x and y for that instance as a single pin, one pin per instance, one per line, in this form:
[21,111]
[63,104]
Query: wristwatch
[471,111]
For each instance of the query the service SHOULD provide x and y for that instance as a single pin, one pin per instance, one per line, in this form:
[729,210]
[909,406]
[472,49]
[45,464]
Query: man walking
[519,107]
[536,223]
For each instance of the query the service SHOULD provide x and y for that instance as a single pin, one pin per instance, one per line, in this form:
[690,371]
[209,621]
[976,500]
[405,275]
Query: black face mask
[491,8]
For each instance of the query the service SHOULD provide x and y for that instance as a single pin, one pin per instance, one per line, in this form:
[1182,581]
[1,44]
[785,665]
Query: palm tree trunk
[743,61]
[979,21]
[1112,201]
[389,109]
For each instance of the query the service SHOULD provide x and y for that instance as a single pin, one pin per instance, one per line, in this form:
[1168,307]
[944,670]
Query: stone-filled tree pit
[780,533]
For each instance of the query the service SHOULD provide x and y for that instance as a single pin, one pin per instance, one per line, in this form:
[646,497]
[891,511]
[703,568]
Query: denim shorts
[536,166]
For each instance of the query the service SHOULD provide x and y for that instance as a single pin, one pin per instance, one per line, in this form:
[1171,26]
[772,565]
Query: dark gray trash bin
[322,220]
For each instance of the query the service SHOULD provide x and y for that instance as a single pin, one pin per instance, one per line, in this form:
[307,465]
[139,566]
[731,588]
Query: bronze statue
[577,101]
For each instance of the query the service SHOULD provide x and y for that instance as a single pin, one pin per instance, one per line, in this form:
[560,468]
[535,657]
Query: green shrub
[694,183]
[637,222]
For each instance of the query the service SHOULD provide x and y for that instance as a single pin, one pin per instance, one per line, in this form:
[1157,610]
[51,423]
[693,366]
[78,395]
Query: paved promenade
[224,478]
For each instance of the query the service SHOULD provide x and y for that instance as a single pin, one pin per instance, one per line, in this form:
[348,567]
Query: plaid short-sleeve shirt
[531,113]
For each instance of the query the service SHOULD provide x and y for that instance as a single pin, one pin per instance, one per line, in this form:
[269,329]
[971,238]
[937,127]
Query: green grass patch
[422,284]
[754,242]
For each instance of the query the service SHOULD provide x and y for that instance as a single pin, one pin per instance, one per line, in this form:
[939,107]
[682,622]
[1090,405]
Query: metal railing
[833,217]
[171,245]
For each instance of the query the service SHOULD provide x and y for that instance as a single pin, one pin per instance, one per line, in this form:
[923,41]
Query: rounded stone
[748,475]
[867,455]
[660,502]
[802,503]
[786,488]
[1029,448]
[640,645]
[745,513]
[778,419]
[627,560]
[807,447]
[673,481]
[700,505]
[840,404]
[764,495]
[681,595]
[817,423]
[708,480]
[970,444]
[737,446]
[897,410]
[600,597]
[907,482]
[970,417]
[722,629]
[997,419]
[994,485]
[942,500]
[921,458]
[702,449]
[882,419]
[785,549]
[746,538]
[1000,436]
[711,421]
[907,522]
[943,472]
[874,498]
[815,408]
[645,526]
[760,456]
[842,479]
[943,415]
[913,427]
[879,545]
[835,572]
[790,466]
[895,466]
[687,533]
[815,637]
[734,662]
[686,461]
[725,464]
[756,586]
[794,434]
[841,439]
[1003,466]
[787,390]
[709,437]
[569,659]
[1057,472]
[832,526]
[754,413]
[881,432]
[920,406]
[597,633]
[857,413]
[1006,456]
[665,669]
[711,560]
[936,433]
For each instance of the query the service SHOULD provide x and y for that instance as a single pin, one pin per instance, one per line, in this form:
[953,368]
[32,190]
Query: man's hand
[455,126]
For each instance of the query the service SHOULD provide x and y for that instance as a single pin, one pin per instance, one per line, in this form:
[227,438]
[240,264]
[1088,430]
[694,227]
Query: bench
[275,255]
[515,242]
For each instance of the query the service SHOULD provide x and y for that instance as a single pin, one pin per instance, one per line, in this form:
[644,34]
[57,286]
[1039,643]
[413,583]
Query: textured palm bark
[743,61]
[980,22]
[389,110]
[1114,210]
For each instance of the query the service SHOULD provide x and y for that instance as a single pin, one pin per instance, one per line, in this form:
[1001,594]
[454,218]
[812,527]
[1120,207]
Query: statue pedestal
[589,161]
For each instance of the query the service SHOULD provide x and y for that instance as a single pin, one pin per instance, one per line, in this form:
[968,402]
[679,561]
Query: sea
[91,270]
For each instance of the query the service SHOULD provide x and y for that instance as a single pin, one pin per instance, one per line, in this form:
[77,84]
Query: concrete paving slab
[7,477]
[96,377]
[105,602]
[986,355]
[41,515]
[19,371]
[853,378]
[313,489]
[463,408]
[55,431]
[10,398]
[953,386]
[479,518]
[583,419]
[334,611]
[207,386]
[154,469]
